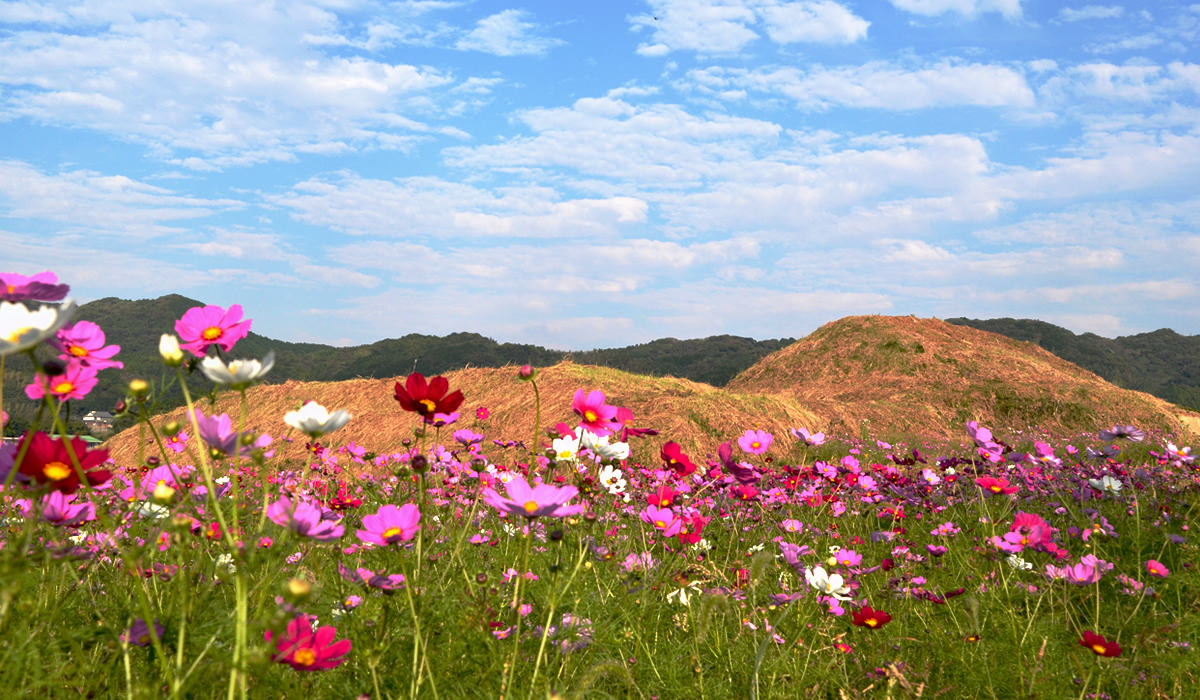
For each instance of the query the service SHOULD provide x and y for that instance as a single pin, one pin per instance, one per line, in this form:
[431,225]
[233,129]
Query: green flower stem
[554,600]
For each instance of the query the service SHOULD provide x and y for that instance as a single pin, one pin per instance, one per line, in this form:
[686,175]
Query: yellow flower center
[144,639]
[590,416]
[871,622]
[79,351]
[531,506]
[56,471]
[755,445]
[565,454]
[660,523]
[15,336]
[63,387]
[430,406]
[305,657]
[211,333]
[391,532]
[1099,649]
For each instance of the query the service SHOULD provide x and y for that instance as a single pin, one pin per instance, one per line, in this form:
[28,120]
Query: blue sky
[595,174]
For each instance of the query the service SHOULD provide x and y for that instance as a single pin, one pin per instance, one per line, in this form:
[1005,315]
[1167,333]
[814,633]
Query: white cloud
[432,208]
[821,22]
[506,33]
[1011,9]
[88,203]
[878,85]
[1070,14]
[718,27]
[206,83]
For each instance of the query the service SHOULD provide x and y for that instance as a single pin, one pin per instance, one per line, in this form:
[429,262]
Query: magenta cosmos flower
[533,501]
[74,383]
[391,524]
[306,649]
[755,442]
[594,413]
[204,326]
[305,518]
[83,343]
[43,286]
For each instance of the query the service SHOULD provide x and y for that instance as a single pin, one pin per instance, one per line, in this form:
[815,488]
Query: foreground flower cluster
[602,551]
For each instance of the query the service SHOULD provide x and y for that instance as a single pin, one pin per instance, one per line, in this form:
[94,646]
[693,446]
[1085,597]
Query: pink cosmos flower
[384,582]
[534,501]
[176,443]
[43,286]
[991,485]
[1155,568]
[217,432]
[58,510]
[848,557]
[305,518]
[755,442]
[305,649]
[204,326]
[138,633]
[595,414]
[663,519]
[83,342]
[391,524]
[74,383]
[810,439]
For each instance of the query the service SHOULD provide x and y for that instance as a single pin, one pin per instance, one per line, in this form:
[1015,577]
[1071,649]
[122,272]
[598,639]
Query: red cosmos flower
[866,616]
[676,460]
[49,461]
[305,649]
[427,398]
[993,485]
[1099,645]
[662,497]
[690,528]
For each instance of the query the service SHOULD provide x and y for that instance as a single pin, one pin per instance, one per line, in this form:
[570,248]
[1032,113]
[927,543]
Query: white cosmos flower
[315,420]
[613,479]
[238,374]
[613,450]
[829,584]
[21,329]
[169,350]
[1106,484]
[565,448]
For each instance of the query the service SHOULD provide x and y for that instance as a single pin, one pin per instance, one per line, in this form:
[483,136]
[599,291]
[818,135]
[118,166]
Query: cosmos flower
[43,286]
[595,415]
[75,382]
[204,326]
[868,617]
[238,374]
[51,461]
[305,518]
[314,420]
[83,342]
[755,442]
[832,585]
[390,524]
[21,329]
[810,439]
[1128,432]
[1099,645]
[427,398]
[306,649]
[533,501]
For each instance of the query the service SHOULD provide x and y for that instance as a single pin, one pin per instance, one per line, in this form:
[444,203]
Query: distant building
[98,421]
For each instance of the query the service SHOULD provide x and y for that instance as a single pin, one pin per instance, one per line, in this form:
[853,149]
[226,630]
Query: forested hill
[137,325]
[1163,362]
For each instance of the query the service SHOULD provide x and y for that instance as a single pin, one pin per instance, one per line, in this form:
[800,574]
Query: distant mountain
[892,376]
[137,326]
[1163,363]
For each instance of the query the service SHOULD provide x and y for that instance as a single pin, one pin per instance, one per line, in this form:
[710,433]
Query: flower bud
[168,348]
[53,367]
[299,588]
[526,373]
[163,493]
[172,428]
[419,463]
[139,388]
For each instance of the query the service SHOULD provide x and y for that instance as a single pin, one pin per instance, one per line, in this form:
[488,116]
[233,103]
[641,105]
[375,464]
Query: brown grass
[696,415]
[870,375]
[906,375]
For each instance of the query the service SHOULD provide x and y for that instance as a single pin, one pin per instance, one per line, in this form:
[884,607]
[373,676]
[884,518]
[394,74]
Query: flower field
[594,558]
